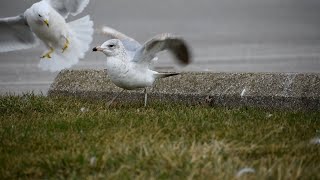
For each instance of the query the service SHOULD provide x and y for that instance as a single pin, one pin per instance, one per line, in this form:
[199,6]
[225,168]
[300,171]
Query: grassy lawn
[62,138]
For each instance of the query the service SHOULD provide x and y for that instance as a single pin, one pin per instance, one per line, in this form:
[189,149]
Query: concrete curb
[264,90]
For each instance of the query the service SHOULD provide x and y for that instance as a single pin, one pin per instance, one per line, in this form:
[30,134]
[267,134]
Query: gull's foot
[66,45]
[48,54]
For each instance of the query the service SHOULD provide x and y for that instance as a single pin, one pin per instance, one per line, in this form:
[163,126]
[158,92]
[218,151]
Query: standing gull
[65,42]
[128,62]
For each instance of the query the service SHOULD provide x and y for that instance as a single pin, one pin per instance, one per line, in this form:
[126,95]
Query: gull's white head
[112,47]
[41,13]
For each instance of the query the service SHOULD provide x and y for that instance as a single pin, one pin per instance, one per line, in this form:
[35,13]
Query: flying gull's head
[112,47]
[41,12]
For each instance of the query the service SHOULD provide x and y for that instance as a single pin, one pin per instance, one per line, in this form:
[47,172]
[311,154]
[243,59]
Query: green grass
[52,138]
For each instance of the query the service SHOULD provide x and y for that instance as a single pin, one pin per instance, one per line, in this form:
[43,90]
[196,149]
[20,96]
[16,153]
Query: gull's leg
[110,102]
[48,54]
[145,97]
[66,45]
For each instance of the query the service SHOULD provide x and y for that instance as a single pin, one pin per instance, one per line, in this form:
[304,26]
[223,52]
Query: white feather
[242,93]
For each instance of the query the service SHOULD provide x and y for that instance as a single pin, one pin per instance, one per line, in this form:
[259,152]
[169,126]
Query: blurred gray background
[225,36]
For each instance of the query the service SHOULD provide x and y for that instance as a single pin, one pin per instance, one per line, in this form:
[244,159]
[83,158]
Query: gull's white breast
[53,34]
[129,75]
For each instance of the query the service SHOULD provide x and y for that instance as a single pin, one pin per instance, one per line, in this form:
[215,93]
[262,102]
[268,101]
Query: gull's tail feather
[81,31]
[164,75]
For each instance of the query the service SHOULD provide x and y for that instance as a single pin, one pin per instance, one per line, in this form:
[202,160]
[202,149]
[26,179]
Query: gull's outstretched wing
[66,7]
[15,34]
[175,45]
[129,43]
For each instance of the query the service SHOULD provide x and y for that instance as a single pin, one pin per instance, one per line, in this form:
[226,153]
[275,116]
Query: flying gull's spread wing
[15,34]
[175,45]
[129,43]
[66,7]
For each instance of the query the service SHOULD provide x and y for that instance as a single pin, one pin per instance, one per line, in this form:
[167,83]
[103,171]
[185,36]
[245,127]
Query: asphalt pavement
[225,36]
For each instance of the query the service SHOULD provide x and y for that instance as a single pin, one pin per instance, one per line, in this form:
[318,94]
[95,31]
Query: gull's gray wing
[66,7]
[174,44]
[15,34]
[129,43]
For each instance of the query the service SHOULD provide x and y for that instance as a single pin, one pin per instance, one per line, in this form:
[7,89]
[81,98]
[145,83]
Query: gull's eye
[39,15]
[111,45]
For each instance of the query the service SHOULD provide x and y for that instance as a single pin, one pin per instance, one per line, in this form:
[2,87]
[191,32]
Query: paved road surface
[229,36]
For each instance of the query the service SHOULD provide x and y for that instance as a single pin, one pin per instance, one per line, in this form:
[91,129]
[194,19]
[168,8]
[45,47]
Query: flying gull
[66,43]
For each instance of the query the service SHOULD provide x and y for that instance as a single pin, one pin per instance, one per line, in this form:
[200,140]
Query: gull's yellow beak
[46,22]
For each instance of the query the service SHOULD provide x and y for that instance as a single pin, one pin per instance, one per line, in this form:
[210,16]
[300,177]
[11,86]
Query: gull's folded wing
[15,34]
[66,7]
[162,42]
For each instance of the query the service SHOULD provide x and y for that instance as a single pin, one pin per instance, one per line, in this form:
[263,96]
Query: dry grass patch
[69,138]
